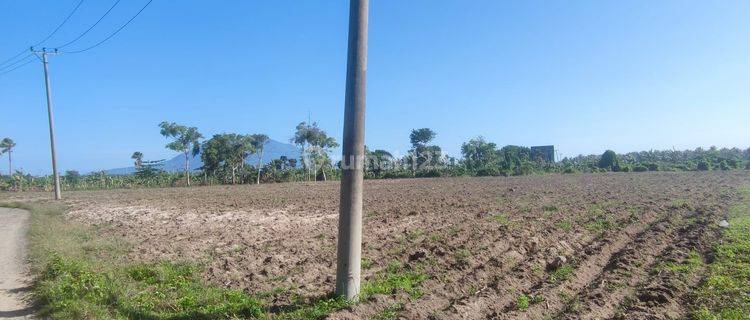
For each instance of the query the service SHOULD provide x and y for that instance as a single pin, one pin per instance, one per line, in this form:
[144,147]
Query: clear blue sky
[582,75]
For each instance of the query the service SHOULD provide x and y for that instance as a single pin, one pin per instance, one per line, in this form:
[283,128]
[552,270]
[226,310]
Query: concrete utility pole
[348,259]
[55,173]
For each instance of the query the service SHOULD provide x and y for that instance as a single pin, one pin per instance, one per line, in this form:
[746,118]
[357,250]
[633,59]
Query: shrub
[625,168]
[640,168]
[608,160]
[703,165]
[747,166]
[573,170]
[724,166]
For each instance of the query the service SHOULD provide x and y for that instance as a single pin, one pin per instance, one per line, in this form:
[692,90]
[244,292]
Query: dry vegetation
[555,246]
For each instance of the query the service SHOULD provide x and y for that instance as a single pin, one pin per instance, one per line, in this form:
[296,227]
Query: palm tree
[186,139]
[7,145]
[259,142]
[138,157]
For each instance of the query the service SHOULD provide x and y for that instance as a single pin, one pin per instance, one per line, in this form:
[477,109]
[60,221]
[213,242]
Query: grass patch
[565,225]
[724,292]
[390,312]
[523,302]
[685,267]
[560,274]
[462,256]
[503,220]
[394,280]
[81,275]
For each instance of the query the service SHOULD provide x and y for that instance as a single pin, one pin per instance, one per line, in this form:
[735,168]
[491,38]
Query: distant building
[545,153]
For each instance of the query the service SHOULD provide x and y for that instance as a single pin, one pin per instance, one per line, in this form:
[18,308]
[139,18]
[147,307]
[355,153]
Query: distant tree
[516,160]
[6,146]
[608,160]
[315,145]
[138,157]
[703,165]
[422,154]
[303,134]
[149,170]
[259,142]
[186,140]
[480,156]
[72,177]
[226,151]
[378,161]
[421,137]
[320,146]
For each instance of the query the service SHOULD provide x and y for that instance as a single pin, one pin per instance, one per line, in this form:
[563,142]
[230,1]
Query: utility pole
[55,173]
[348,259]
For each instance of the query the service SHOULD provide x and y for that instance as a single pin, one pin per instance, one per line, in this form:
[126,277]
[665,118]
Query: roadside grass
[724,292]
[80,275]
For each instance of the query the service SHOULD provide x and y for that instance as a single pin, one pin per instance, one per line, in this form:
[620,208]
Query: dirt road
[13,279]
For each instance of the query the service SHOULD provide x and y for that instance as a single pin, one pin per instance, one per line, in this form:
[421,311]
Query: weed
[390,312]
[462,256]
[393,281]
[680,204]
[366,264]
[565,225]
[414,234]
[560,274]
[435,238]
[522,302]
[724,291]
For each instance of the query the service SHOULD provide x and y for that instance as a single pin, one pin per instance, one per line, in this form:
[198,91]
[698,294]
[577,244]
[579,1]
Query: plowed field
[600,246]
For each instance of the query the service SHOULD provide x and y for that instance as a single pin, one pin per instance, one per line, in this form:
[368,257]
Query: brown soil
[484,242]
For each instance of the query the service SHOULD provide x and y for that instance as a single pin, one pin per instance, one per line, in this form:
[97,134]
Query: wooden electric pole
[55,173]
[348,259]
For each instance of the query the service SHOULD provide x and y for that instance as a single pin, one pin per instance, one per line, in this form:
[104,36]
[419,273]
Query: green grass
[80,275]
[393,280]
[724,292]
[685,267]
[560,274]
[565,225]
[523,302]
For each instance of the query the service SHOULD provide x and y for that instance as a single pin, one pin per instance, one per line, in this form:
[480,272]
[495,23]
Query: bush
[625,168]
[640,168]
[747,166]
[703,165]
[608,160]
[652,167]
[569,170]
[724,166]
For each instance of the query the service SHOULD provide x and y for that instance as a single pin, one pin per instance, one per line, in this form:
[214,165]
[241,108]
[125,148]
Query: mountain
[272,150]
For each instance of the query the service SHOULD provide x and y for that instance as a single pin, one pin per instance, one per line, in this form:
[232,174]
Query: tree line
[224,157]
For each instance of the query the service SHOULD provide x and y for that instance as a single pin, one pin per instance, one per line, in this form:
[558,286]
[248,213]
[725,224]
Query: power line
[92,26]
[113,33]
[8,71]
[48,36]
[17,62]
[61,24]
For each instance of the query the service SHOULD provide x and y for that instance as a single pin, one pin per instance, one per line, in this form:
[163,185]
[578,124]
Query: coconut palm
[6,146]
[138,157]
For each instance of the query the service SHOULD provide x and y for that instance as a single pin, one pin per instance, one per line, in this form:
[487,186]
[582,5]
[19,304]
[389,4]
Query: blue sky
[582,75]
